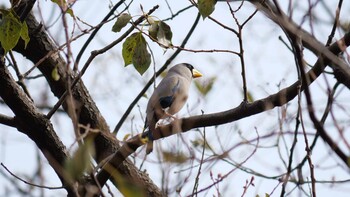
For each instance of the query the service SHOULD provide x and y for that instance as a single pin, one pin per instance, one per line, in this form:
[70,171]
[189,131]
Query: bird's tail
[147,132]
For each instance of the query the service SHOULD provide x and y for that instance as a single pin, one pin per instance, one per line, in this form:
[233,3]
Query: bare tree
[300,125]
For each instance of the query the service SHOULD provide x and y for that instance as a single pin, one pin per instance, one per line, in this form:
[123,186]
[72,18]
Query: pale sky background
[269,67]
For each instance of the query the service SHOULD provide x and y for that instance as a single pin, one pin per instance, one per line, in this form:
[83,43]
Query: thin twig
[299,57]
[247,185]
[196,183]
[335,23]
[19,75]
[178,12]
[295,140]
[188,50]
[93,55]
[241,52]
[83,48]
[29,183]
[234,169]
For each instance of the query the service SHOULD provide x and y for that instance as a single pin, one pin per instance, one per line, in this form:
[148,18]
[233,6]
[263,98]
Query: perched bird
[169,97]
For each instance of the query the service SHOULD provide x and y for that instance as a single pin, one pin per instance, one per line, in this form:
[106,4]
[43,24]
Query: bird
[168,97]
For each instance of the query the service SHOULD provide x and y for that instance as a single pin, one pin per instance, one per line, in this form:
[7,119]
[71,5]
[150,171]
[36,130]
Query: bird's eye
[189,66]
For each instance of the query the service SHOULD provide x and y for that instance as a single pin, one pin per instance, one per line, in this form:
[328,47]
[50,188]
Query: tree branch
[6,120]
[94,54]
[341,69]
[31,122]
[242,111]
[93,34]
[105,143]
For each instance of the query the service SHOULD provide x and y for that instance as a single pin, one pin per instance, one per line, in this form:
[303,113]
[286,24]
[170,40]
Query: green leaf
[54,74]
[141,58]
[206,7]
[79,163]
[126,136]
[205,87]
[129,48]
[161,32]
[121,22]
[250,97]
[164,34]
[174,158]
[24,34]
[135,52]
[70,12]
[153,30]
[10,30]
[64,6]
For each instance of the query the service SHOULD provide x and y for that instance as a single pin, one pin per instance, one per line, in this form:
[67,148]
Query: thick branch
[105,143]
[31,122]
[9,121]
[28,118]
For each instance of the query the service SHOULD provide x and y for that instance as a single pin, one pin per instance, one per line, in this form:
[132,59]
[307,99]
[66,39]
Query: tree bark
[42,51]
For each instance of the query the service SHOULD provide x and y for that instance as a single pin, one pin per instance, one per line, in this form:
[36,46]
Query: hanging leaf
[64,6]
[164,34]
[206,7]
[161,32]
[129,48]
[135,52]
[10,30]
[141,58]
[121,22]
[24,34]
[153,30]
[79,163]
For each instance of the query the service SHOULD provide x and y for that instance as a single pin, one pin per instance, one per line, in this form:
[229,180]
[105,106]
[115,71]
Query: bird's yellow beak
[196,73]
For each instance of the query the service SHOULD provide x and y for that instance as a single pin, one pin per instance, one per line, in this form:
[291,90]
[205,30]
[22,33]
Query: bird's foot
[170,115]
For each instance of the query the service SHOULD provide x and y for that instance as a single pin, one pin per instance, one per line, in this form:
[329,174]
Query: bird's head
[185,68]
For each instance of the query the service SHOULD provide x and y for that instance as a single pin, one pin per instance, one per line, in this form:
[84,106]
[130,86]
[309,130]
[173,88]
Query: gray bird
[169,97]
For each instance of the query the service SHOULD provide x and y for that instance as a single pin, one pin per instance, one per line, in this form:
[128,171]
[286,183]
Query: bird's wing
[166,90]
[167,99]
